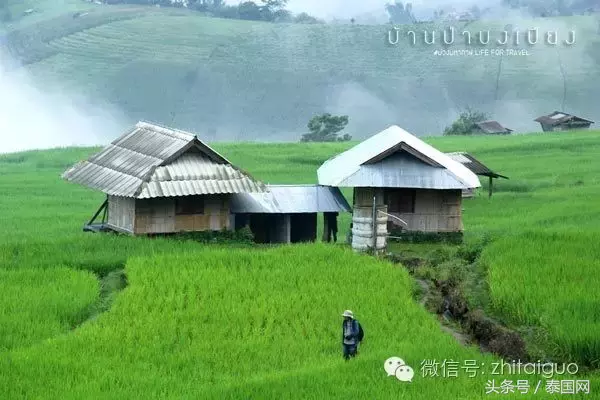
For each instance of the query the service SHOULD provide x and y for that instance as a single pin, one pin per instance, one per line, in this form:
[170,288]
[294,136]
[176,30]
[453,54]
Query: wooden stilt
[103,207]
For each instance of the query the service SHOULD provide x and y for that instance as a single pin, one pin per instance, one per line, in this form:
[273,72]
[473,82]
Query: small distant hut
[491,128]
[161,180]
[476,167]
[560,121]
[400,182]
[286,213]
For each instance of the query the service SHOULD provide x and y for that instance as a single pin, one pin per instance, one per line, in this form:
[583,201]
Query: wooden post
[102,207]
[105,213]
[374,225]
[287,222]
[490,187]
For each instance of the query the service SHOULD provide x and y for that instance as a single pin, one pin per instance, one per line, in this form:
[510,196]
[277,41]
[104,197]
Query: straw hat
[348,313]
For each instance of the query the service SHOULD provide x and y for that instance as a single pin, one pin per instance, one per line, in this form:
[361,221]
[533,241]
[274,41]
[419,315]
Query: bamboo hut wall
[434,211]
[121,213]
[159,216]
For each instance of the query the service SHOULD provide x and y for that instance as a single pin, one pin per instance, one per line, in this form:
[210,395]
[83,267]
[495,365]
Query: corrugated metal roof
[194,173]
[492,127]
[473,164]
[355,167]
[402,170]
[291,199]
[557,118]
[154,161]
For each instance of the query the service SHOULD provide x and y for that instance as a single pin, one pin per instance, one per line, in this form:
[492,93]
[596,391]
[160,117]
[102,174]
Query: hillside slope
[249,80]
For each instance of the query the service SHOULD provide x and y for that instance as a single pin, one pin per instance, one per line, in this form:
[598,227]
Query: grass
[40,303]
[239,324]
[559,290]
[178,67]
[210,321]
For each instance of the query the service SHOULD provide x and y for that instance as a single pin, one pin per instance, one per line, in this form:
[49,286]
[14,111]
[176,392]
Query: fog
[36,118]
[374,10]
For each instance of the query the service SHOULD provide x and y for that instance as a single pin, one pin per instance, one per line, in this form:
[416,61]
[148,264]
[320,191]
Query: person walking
[351,335]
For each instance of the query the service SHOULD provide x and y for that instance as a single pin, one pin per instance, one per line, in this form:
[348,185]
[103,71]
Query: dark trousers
[334,235]
[349,350]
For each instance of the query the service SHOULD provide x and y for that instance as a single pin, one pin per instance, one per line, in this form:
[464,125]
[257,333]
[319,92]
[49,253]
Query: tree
[400,13]
[207,5]
[274,5]
[265,10]
[475,12]
[249,10]
[305,18]
[5,14]
[325,128]
[466,122]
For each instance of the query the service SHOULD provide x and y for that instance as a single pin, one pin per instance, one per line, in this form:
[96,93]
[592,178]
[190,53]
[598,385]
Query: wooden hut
[399,181]
[476,167]
[560,121]
[286,213]
[491,128]
[161,180]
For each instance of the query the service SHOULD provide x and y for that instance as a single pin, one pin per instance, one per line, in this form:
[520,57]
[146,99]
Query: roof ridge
[166,130]
[339,170]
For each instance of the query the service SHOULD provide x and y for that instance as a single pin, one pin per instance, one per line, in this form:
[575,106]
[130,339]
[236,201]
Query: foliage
[400,13]
[545,8]
[325,128]
[262,10]
[427,237]
[241,236]
[305,18]
[466,122]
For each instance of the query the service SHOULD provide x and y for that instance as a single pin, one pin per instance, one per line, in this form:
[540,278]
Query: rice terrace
[196,257]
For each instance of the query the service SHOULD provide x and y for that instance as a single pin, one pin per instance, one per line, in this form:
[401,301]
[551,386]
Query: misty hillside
[242,80]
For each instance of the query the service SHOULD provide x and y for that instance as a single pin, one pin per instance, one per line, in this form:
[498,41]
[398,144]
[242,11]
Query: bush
[427,237]
[466,123]
[241,236]
[470,252]
[304,18]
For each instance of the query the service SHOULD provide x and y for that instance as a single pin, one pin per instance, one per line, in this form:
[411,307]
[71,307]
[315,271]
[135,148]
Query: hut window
[189,205]
[401,201]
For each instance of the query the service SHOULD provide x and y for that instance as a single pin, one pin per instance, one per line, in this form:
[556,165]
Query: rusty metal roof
[154,161]
[291,199]
[492,127]
[473,164]
[558,117]
[395,158]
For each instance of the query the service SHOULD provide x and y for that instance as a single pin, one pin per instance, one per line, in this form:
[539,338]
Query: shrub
[241,236]
[466,122]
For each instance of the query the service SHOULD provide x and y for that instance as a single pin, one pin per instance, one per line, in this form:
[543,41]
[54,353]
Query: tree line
[549,8]
[259,10]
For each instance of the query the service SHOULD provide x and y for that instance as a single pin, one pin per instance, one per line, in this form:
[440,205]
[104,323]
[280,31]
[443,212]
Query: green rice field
[218,321]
